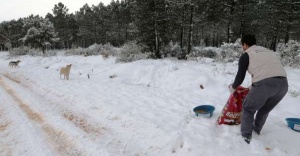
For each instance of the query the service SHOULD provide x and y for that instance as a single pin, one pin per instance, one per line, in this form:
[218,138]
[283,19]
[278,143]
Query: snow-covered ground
[145,110]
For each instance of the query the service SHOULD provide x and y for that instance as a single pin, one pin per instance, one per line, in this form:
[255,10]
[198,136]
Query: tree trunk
[202,33]
[156,41]
[217,40]
[43,48]
[274,40]
[96,32]
[156,34]
[119,35]
[182,30]
[242,21]
[207,41]
[126,33]
[214,36]
[229,22]
[287,33]
[273,43]
[191,30]
[105,37]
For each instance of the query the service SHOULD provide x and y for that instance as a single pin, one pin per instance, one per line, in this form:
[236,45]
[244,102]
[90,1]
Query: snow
[145,109]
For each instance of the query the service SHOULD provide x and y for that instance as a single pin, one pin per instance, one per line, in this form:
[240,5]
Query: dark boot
[256,131]
[247,139]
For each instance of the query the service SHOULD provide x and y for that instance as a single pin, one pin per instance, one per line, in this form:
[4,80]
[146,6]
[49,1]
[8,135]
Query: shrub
[289,53]
[104,54]
[35,52]
[75,51]
[229,52]
[209,52]
[130,52]
[174,50]
[23,50]
[95,49]
[109,50]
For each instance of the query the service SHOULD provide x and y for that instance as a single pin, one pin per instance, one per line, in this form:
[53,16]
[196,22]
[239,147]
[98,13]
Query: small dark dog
[14,63]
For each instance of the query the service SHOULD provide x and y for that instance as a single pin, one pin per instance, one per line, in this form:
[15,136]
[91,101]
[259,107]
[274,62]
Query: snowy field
[145,109]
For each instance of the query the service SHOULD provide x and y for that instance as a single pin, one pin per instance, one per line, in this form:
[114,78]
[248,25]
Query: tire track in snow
[95,133]
[75,119]
[125,142]
[59,140]
[108,134]
[4,124]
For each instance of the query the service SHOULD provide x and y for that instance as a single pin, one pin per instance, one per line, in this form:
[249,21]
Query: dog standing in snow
[65,71]
[14,63]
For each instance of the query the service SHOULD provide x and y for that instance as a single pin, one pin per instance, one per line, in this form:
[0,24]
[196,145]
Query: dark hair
[249,39]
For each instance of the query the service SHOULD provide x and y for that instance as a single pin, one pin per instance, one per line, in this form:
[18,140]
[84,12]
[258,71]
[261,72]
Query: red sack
[231,113]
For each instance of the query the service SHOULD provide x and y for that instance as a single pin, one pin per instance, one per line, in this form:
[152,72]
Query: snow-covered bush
[95,49]
[75,51]
[229,52]
[130,52]
[38,52]
[51,53]
[289,53]
[7,45]
[209,52]
[23,50]
[173,50]
[109,49]
[35,52]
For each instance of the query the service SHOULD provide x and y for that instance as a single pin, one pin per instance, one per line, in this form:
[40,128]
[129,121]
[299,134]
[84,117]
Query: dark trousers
[261,99]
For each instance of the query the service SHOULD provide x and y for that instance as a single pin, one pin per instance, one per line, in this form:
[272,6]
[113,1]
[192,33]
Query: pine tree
[40,33]
[152,24]
[101,23]
[60,21]
[10,32]
[86,23]
[73,29]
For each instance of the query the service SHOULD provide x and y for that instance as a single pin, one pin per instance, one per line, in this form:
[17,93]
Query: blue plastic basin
[204,110]
[294,123]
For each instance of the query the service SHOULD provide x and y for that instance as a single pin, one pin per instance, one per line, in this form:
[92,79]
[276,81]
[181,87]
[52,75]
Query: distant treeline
[155,23]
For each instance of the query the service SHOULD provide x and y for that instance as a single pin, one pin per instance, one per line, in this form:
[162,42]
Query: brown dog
[65,71]
[14,63]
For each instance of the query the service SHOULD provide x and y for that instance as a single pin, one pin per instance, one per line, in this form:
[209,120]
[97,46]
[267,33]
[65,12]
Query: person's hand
[231,90]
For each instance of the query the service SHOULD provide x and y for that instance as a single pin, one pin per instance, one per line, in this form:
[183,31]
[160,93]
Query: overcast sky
[15,9]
